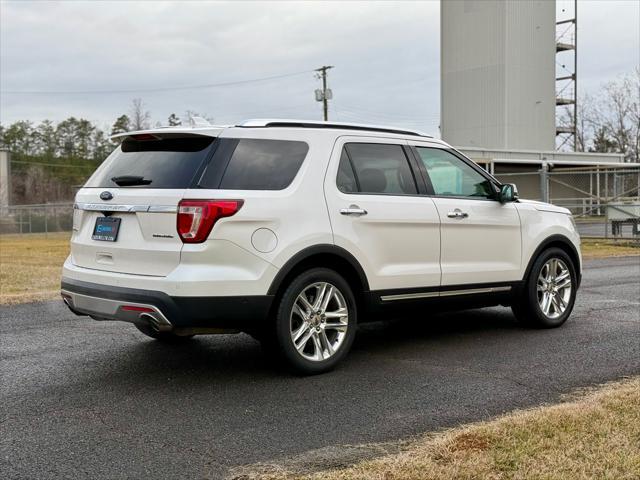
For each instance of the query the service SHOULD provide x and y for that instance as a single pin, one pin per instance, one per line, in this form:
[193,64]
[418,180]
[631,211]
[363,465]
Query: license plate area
[106,229]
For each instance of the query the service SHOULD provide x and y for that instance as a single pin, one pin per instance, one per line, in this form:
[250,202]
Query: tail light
[196,218]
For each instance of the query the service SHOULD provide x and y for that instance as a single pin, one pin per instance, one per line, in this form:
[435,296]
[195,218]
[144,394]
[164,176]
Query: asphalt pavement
[87,399]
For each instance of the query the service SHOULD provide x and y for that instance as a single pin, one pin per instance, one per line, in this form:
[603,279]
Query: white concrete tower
[498,73]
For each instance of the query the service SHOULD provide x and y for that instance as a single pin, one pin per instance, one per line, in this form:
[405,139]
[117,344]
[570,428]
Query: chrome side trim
[446,293]
[501,289]
[106,207]
[471,291]
[409,296]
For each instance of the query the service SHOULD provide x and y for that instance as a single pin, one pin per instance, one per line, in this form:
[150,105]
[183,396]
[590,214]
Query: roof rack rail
[330,125]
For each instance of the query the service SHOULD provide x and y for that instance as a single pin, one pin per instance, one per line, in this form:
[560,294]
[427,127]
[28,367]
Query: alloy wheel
[554,288]
[319,321]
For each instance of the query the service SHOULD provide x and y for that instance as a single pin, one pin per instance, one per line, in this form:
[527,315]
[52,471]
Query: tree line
[49,160]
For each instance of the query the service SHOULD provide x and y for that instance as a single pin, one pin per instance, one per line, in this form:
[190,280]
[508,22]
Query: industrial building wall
[498,73]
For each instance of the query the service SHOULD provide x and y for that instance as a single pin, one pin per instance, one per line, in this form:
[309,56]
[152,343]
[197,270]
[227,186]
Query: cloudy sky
[386,58]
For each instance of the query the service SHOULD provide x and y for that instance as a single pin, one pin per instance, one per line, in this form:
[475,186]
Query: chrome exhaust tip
[153,322]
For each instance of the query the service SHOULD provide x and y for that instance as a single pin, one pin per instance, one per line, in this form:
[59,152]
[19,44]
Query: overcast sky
[386,57]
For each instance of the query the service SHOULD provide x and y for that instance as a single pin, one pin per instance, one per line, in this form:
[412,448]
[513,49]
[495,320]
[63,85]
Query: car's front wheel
[315,321]
[549,292]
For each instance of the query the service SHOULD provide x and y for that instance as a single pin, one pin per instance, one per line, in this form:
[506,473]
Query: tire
[315,322]
[164,337]
[546,300]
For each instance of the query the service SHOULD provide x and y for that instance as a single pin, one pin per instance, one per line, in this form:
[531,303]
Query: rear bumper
[104,302]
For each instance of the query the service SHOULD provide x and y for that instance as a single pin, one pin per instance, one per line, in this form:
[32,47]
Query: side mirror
[508,193]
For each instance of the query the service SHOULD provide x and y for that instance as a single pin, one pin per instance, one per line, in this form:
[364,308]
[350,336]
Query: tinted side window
[263,164]
[450,176]
[346,179]
[381,168]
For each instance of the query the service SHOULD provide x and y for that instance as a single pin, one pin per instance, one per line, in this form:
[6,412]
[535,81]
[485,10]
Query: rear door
[481,237]
[378,214]
[138,188]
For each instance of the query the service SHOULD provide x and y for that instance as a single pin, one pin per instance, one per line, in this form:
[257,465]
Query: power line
[388,117]
[388,114]
[363,119]
[151,90]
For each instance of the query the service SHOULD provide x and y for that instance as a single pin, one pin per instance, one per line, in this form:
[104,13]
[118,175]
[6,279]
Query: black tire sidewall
[285,345]
[537,317]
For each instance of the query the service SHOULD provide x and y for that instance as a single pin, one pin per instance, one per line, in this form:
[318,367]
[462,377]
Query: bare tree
[140,118]
[582,127]
[615,116]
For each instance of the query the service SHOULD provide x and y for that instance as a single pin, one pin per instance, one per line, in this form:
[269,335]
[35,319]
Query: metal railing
[605,202]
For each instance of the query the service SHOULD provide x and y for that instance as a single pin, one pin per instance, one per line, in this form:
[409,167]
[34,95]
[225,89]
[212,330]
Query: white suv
[295,231]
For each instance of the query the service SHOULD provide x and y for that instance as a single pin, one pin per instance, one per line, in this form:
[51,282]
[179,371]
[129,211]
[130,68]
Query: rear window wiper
[130,180]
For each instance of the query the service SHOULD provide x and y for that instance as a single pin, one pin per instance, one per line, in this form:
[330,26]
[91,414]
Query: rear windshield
[162,163]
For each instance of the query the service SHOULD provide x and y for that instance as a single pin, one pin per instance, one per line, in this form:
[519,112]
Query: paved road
[83,399]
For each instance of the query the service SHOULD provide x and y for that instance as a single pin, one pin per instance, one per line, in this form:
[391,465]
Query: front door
[480,237]
[378,214]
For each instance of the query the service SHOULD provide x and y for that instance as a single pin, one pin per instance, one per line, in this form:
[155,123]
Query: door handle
[457,213]
[353,210]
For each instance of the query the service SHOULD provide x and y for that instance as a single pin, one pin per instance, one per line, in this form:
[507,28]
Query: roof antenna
[196,121]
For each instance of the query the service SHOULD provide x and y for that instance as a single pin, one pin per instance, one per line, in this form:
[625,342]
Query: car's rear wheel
[164,337]
[549,292]
[315,321]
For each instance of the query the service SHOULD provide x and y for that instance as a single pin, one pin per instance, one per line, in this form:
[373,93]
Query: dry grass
[30,266]
[609,248]
[596,436]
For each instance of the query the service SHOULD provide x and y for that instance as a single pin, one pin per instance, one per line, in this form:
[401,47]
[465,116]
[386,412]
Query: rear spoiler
[169,132]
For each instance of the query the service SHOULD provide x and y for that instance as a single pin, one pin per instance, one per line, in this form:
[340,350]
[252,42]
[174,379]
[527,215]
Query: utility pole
[325,94]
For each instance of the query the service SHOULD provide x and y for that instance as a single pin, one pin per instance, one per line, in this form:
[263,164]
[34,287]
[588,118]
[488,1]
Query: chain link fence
[605,202]
[40,218]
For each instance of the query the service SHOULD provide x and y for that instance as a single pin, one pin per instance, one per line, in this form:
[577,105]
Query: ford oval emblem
[106,195]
